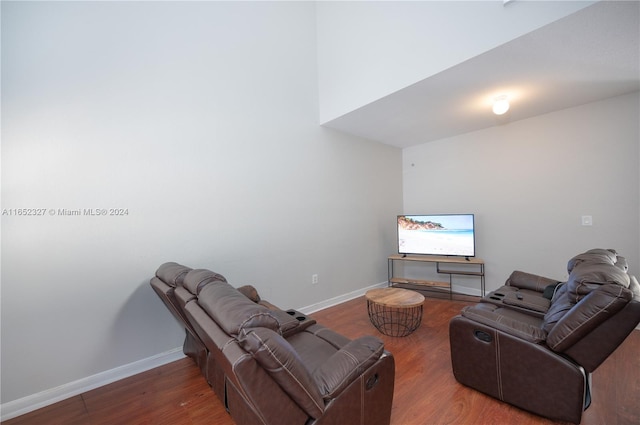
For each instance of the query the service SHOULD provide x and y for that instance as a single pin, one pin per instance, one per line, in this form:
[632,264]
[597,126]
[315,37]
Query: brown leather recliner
[536,353]
[270,366]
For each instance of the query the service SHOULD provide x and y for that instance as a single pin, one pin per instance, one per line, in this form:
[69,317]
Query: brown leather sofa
[534,342]
[270,366]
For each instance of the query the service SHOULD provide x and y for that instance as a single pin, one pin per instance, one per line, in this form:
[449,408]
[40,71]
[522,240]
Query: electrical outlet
[314,279]
[587,220]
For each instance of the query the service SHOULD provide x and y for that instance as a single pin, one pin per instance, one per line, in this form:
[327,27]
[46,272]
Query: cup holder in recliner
[299,316]
[496,296]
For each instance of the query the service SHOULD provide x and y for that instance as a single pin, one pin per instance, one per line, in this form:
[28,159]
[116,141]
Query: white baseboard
[464,290]
[36,401]
[33,402]
[339,299]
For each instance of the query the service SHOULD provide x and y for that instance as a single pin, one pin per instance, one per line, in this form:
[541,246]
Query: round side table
[394,311]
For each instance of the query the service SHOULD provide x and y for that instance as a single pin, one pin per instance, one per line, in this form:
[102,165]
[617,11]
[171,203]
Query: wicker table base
[394,311]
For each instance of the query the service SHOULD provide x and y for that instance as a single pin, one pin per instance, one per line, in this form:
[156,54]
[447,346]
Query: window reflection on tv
[444,234]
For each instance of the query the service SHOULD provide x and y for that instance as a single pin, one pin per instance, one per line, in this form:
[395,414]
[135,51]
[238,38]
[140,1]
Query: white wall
[370,49]
[199,118]
[529,183]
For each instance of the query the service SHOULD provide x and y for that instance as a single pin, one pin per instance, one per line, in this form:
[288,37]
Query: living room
[196,127]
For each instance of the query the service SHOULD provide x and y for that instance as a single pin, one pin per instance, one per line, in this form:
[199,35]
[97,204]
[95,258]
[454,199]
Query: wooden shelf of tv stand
[454,264]
[437,259]
[419,282]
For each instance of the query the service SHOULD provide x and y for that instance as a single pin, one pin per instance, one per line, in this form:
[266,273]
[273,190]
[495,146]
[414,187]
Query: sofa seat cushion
[343,367]
[513,314]
[518,324]
[313,351]
[284,365]
[333,338]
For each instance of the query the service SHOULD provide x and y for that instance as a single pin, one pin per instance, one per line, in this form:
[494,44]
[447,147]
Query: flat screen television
[441,234]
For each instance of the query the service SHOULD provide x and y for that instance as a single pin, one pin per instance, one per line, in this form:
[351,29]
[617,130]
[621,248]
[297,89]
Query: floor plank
[426,392]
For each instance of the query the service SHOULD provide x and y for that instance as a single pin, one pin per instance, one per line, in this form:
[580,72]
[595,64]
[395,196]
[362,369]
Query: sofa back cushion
[232,311]
[594,309]
[598,255]
[347,364]
[197,279]
[589,276]
[589,271]
[284,365]
[172,273]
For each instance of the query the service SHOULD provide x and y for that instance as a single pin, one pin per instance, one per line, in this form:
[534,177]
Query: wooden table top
[395,297]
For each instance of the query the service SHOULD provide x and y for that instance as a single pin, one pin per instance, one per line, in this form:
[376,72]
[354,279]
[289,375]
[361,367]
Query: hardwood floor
[426,392]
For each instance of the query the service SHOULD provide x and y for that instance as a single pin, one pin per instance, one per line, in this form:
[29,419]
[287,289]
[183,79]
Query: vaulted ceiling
[590,55]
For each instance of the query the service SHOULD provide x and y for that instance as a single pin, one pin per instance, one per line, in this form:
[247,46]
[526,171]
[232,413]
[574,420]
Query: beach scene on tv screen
[436,235]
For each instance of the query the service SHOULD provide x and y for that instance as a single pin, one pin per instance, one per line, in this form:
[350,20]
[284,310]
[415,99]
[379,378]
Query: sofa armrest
[512,326]
[529,281]
[527,301]
[291,322]
[250,292]
[344,366]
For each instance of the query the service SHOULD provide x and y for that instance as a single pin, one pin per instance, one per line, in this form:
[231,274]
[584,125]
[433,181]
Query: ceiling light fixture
[500,104]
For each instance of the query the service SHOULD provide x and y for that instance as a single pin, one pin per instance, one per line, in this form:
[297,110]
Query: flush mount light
[500,104]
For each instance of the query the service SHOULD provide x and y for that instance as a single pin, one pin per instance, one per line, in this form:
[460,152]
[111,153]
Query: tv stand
[451,266]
